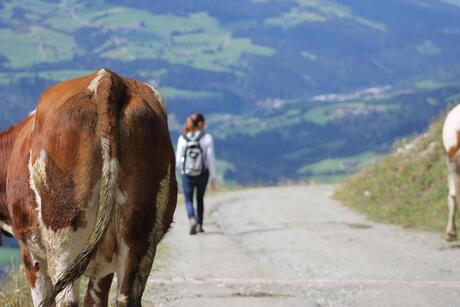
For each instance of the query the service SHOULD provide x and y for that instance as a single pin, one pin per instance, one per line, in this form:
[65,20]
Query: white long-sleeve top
[207,145]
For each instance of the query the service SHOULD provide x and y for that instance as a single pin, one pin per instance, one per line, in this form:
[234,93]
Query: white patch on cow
[69,296]
[450,128]
[94,292]
[95,82]
[122,299]
[33,120]
[37,175]
[162,203]
[40,290]
[6,227]
[96,286]
[42,283]
[95,297]
[122,197]
[95,196]
[122,258]
[154,90]
[157,95]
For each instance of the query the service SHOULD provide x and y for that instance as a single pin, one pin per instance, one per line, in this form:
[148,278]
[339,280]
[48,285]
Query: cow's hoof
[451,237]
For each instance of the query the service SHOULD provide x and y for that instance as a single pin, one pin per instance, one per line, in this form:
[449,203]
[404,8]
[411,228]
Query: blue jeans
[189,184]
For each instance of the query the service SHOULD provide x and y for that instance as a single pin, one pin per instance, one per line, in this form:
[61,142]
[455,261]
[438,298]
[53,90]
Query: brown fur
[30,268]
[68,127]
[7,140]
[454,149]
[102,295]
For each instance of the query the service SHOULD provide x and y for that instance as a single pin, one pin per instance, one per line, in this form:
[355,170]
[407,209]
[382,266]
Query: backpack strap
[200,136]
[187,139]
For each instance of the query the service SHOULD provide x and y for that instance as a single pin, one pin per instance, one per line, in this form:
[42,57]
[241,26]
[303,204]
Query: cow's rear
[101,188]
[451,141]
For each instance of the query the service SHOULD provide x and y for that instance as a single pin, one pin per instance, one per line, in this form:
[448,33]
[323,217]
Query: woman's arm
[211,162]
[180,152]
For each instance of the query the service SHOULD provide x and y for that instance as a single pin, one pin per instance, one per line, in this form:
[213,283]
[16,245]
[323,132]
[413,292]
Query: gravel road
[297,246]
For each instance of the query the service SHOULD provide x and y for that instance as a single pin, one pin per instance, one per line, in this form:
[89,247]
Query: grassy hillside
[407,187]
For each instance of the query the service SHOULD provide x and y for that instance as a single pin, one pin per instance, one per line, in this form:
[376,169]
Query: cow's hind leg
[97,294]
[58,262]
[133,275]
[37,275]
[452,198]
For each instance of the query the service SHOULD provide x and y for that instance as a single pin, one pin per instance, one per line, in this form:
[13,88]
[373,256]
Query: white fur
[122,197]
[154,90]
[94,292]
[122,257]
[157,95]
[42,284]
[450,128]
[450,131]
[6,228]
[65,244]
[95,82]
[37,175]
[33,114]
[95,297]
[122,299]
[161,205]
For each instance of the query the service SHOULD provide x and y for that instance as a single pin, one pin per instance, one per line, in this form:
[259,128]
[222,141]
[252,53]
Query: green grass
[293,18]
[38,45]
[407,187]
[53,75]
[430,84]
[8,256]
[330,8]
[64,23]
[171,92]
[324,114]
[16,291]
[197,40]
[226,124]
[344,165]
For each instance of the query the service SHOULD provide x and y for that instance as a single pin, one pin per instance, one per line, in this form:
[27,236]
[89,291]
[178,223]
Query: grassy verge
[15,292]
[407,187]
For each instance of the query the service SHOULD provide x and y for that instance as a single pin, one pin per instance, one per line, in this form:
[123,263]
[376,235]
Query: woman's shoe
[199,228]
[193,226]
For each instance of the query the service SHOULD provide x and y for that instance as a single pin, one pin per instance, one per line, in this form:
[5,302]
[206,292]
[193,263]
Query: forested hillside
[263,71]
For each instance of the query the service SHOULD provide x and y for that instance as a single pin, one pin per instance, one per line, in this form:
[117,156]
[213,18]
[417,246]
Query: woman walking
[195,158]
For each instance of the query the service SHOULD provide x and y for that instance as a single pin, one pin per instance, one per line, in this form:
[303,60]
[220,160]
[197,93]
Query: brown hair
[192,122]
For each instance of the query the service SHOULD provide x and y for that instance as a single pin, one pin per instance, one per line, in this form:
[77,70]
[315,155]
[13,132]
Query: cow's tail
[108,94]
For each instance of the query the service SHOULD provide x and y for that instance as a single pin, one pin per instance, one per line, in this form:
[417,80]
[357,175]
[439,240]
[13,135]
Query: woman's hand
[214,183]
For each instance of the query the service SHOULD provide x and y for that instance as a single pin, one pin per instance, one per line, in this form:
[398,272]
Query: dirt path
[296,246]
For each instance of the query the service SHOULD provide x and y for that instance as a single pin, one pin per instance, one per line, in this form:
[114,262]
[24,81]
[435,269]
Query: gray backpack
[193,164]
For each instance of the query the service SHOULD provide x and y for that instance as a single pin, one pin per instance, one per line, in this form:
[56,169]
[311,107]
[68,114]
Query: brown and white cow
[451,141]
[87,186]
